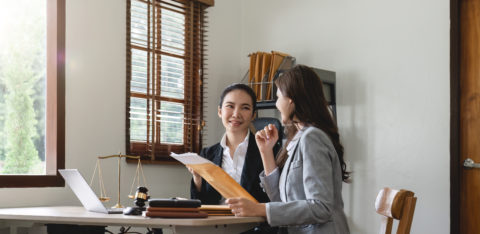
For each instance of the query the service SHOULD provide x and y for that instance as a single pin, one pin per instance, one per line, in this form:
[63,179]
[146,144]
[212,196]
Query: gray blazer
[307,195]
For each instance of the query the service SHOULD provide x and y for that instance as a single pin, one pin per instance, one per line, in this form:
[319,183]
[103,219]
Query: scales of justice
[139,172]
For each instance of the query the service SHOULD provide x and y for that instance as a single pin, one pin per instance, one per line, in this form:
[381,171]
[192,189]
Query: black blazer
[249,180]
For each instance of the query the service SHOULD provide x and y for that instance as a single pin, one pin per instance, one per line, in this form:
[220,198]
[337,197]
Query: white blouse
[234,165]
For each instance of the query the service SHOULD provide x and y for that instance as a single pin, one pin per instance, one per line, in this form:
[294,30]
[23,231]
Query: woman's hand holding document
[214,175]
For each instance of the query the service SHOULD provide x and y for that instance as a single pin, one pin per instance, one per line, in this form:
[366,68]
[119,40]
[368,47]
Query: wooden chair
[395,204]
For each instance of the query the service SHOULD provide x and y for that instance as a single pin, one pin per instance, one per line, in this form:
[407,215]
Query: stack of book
[175,208]
[217,210]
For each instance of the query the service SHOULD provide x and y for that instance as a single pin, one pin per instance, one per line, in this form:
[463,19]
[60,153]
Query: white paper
[190,158]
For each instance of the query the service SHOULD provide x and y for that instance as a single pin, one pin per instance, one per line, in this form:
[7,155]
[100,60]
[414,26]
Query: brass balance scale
[103,193]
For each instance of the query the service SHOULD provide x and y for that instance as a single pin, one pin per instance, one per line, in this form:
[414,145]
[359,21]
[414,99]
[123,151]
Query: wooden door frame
[455,164]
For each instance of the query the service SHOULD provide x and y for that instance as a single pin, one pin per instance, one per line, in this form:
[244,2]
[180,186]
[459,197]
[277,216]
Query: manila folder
[214,175]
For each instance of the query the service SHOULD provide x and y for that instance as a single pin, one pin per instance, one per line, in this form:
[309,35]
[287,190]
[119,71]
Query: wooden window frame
[155,152]
[55,107]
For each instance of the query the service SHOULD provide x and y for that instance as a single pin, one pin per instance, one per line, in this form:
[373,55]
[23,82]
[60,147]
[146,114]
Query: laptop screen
[82,190]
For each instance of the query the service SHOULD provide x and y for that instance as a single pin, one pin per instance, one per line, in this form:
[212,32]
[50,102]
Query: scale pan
[104,199]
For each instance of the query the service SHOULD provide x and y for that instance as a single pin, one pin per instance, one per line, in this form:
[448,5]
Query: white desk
[78,215]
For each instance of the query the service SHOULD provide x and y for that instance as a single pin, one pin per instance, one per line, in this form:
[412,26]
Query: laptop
[84,193]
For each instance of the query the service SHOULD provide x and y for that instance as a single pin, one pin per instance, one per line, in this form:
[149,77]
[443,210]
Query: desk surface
[78,215]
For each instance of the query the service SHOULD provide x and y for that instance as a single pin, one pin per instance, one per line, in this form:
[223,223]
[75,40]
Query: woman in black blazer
[237,109]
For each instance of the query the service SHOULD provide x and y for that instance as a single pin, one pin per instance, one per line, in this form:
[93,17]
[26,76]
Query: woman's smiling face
[236,111]
[284,105]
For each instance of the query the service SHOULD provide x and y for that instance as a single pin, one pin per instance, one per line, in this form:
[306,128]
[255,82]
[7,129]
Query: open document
[214,175]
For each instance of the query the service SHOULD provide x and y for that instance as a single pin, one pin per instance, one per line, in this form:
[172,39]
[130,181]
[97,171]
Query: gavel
[141,197]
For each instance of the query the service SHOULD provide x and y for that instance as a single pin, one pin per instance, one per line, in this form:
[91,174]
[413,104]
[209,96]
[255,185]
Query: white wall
[222,61]
[391,59]
[392,65]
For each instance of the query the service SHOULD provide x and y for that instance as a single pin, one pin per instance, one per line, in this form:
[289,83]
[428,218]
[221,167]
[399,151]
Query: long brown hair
[304,87]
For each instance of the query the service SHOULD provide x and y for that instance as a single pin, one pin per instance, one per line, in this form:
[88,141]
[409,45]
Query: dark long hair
[304,87]
[239,86]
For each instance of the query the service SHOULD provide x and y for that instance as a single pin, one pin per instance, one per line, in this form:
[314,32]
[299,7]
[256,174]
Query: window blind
[165,53]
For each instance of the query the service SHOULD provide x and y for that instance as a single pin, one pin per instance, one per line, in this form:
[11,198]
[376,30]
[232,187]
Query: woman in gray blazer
[304,183]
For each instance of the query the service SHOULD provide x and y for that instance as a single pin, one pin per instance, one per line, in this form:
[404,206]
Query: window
[165,51]
[32,90]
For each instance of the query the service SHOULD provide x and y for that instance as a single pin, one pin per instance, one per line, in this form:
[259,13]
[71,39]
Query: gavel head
[141,196]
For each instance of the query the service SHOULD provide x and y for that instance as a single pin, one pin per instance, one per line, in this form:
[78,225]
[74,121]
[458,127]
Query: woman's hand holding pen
[266,139]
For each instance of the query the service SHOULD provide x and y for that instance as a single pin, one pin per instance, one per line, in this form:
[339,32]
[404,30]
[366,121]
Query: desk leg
[217,229]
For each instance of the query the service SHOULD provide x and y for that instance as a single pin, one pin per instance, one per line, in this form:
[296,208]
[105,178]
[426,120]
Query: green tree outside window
[22,88]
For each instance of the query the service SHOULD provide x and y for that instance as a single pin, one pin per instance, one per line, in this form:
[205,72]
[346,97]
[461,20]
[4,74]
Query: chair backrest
[260,123]
[395,204]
